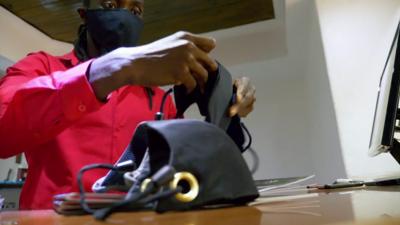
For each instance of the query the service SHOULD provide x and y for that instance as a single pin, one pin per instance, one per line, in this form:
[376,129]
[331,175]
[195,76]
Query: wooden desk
[314,208]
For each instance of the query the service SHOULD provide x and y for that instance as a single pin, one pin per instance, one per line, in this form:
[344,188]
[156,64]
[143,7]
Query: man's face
[135,6]
[110,29]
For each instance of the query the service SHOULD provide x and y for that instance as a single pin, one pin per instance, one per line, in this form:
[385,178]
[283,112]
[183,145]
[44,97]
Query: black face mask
[113,28]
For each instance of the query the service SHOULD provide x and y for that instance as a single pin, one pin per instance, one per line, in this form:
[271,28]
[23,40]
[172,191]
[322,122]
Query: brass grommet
[144,184]
[193,185]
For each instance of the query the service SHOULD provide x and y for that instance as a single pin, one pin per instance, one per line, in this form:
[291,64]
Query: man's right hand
[181,58]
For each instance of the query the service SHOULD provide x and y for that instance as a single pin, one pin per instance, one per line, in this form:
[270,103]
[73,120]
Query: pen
[337,185]
[352,183]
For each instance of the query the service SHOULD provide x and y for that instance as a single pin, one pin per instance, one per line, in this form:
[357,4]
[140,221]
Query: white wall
[4,63]
[17,39]
[293,125]
[316,90]
[264,52]
[356,37]
[324,144]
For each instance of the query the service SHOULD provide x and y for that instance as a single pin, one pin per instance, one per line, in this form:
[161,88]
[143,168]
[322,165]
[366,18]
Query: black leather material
[213,103]
[135,152]
[205,151]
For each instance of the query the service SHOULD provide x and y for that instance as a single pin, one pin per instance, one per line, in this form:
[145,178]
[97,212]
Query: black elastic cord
[164,99]
[159,179]
[149,92]
[83,202]
[137,201]
[102,214]
[160,114]
[256,160]
[106,211]
[253,153]
[164,194]
[250,139]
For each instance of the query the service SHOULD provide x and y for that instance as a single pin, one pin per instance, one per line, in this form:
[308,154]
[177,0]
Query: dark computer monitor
[387,113]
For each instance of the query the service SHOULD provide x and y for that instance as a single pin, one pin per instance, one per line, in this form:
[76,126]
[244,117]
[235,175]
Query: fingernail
[214,40]
[215,64]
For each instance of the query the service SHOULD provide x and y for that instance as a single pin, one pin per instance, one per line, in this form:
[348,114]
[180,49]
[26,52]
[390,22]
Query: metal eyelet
[193,186]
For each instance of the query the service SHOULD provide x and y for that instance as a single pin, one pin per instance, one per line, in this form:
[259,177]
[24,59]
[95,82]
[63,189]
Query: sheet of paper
[269,185]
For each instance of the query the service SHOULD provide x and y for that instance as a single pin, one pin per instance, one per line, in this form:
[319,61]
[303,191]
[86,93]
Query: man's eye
[137,11]
[109,5]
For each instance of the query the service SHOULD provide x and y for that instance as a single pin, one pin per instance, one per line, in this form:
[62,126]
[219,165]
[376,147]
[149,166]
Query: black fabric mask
[113,28]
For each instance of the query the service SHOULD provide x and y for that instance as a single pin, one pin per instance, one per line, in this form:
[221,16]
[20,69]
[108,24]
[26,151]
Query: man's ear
[82,14]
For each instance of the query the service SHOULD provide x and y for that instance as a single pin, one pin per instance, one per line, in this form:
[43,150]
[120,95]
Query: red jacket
[49,111]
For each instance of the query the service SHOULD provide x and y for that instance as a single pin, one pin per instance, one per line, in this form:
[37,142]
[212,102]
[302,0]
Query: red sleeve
[36,105]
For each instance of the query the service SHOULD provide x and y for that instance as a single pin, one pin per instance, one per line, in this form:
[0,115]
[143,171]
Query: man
[81,108]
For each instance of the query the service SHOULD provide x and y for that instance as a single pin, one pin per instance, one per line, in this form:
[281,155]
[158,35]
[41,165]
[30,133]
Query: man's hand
[245,98]
[181,58]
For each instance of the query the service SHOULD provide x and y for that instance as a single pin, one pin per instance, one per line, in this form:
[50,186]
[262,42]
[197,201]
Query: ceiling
[59,18]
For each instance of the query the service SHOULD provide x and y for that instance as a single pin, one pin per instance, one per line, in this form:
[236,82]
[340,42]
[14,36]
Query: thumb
[233,110]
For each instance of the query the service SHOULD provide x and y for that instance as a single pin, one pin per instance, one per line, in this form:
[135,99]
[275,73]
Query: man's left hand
[245,98]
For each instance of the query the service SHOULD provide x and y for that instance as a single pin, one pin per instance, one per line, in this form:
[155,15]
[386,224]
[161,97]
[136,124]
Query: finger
[199,73]
[251,104]
[249,98]
[233,110]
[204,43]
[242,105]
[239,89]
[241,110]
[242,87]
[246,111]
[187,80]
[204,58]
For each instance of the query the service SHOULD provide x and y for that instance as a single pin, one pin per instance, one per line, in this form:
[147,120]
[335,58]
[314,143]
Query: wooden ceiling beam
[60,20]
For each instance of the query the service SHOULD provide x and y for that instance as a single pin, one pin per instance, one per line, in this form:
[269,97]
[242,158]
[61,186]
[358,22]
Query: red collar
[70,58]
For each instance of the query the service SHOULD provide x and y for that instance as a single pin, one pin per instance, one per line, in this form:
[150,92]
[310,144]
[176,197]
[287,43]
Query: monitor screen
[382,135]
